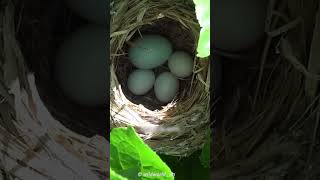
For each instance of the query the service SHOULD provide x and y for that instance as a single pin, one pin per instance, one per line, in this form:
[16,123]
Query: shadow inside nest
[43,27]
[180,38]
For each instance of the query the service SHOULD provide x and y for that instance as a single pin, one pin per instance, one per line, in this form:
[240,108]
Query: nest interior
[42,27]
[181,39]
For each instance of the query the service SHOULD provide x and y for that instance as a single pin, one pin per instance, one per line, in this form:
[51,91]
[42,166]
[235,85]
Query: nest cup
[181,126]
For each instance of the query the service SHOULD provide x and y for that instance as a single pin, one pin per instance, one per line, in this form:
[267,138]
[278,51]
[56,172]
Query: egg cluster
[81,61]
[150,52]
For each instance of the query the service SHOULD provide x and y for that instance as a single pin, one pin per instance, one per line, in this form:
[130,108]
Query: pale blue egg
[166,87]
[150,51]
[180,64]
[238,25]
[141,81]
[81,68]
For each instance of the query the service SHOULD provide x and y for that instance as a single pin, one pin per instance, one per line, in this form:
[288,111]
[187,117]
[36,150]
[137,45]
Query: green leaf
[115,176]
[130,157]
[202,8]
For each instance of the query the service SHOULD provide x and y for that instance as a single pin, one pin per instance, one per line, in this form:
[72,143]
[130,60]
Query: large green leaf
[203,16]
[131,158]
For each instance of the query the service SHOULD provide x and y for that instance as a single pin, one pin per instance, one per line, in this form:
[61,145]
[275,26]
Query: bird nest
[181,126]
[33,138]
[270,126]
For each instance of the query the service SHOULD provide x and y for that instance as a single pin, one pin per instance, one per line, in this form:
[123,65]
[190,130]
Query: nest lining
[178,128]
